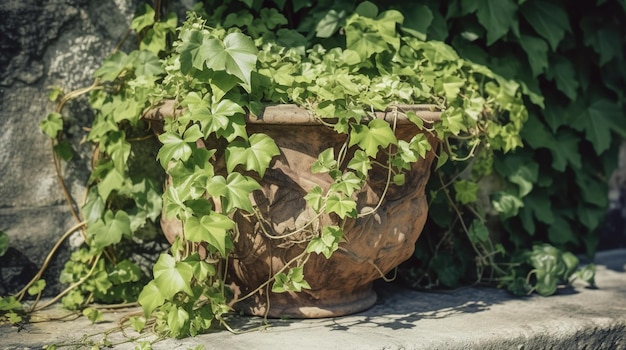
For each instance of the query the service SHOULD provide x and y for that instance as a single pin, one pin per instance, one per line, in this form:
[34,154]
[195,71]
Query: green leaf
[109,230]
[548,19]
[537,52]
[112,66]
[292,281]
[560,232]
[367,9]
[325,162]
[112,181]
[145,19]
[506,204]
[93,315]
[348,183]
[139,323]
[360,162]
[255,155]
[466,191]
[177,319]
[235,191]
[376,134]
[9,303]
[37,287]
[64,150]
[327,243]
[148,64]
[563,74]
[171,277]
[478,232]
[236,55]
[173,148]
[329,24]
[497,16]
[150,298]
[52,125]
[605,41]
[604,116]
[315,198]
[418,19]
[213,229]
[587,274]
[341,205]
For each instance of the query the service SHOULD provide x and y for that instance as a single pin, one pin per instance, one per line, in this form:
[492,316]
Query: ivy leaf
[64,150]
[563,146]
[145,19]
[466,191]
[171,277]
[175,147]
[560,232]
[562,72]
[292,281]
[52,125]
[327,243]
[315,198]
[348,184]
[37,287]
[497,16]
[341,205]
[10,303]
[606,42]
[93,315]
[548,19]
[537,52]
[452,119]
[478,232]
[255,155]
[148,64]
[109,230]
[177,318]
[360,162]
[235,191]
[376,134]
[325,162]
[237,55]
[604,117]
[506,204]
[418,20]
[329,24]
[150,298]
[212,229]
[114,180]
[112,66]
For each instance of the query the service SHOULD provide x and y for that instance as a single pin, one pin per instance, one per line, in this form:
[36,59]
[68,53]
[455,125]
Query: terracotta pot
[374,244]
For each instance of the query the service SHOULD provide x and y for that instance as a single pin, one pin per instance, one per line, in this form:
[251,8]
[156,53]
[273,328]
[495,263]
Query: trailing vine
[490,199]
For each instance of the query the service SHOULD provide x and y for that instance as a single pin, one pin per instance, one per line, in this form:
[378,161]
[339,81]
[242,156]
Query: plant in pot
[294,169]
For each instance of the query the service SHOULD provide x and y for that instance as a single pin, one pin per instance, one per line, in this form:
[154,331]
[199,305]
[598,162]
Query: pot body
[373,244]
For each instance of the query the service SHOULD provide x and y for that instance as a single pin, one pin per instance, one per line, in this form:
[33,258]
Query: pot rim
[294,114]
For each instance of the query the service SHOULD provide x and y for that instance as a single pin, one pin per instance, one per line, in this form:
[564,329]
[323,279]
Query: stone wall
[45,43]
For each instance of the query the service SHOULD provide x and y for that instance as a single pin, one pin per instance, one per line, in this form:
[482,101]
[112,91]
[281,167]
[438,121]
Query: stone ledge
[470,318]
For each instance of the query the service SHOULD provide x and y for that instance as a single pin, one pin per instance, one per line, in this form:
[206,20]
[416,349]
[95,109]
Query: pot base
[303,305]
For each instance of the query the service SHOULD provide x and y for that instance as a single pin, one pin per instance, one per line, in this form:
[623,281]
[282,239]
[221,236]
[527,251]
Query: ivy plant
[489,199]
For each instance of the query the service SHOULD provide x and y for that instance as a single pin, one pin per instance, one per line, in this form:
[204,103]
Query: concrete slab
[470,318]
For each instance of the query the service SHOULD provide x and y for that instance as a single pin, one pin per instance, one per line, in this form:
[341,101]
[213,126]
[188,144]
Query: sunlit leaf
[171,277]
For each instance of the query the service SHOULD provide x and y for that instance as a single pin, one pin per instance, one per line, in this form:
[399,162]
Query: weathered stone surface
[46,43]
[465,319]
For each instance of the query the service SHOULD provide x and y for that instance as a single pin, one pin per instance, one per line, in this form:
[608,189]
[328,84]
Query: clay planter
[374,244]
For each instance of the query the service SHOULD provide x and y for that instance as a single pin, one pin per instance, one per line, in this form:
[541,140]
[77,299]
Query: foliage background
[571,58]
